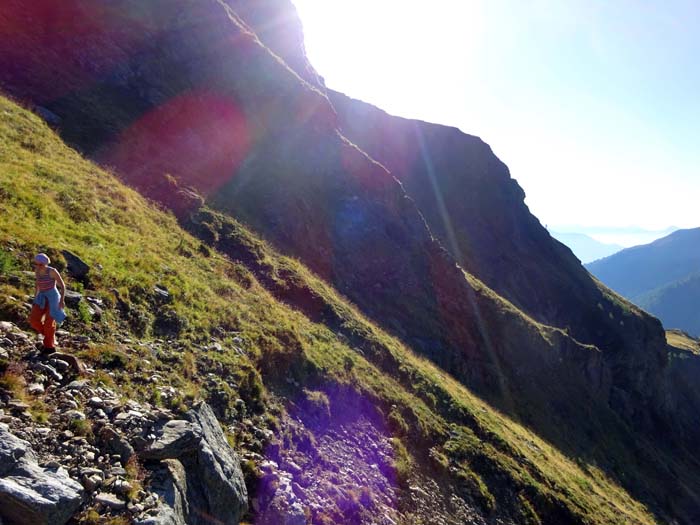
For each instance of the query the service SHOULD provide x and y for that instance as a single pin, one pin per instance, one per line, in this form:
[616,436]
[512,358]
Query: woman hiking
[48,307]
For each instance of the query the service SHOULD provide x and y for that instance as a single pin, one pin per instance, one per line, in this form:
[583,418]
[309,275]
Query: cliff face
[477,211]
[206,94]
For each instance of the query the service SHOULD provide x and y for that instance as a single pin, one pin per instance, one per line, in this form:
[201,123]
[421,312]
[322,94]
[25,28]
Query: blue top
[53,298]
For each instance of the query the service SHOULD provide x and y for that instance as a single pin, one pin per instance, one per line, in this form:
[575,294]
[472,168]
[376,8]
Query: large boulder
[169,481]
[76,267]
[174,439]
[199,477]
[29,494]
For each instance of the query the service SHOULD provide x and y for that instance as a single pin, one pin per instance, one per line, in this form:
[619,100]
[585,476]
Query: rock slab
[199,478]
[29,494]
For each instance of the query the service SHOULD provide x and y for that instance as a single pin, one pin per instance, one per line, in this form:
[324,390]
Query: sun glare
[405,47]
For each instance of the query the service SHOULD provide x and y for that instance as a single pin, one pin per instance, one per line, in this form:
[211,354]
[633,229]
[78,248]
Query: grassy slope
[51,198]
[682,341]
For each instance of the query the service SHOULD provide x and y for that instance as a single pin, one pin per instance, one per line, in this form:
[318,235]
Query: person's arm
[61,286]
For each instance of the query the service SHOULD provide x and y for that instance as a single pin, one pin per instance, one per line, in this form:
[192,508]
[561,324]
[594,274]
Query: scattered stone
[16,405]
[116,443]
[109,500]
[96,401]
[75,414]
[50,371]
[72,298]
[121,486]
[35,389]
[161,294]
[78,384]
[91,483]
[72,361]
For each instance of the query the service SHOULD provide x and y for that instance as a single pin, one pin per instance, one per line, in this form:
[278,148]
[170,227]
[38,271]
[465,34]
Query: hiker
[48,307]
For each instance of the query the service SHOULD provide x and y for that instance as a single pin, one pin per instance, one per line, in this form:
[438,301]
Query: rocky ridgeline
[71,450]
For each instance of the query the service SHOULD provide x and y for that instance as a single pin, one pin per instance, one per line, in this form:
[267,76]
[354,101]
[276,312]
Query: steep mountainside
[215,98]
[661,277]
[676,304]
[342,425]
[586,248]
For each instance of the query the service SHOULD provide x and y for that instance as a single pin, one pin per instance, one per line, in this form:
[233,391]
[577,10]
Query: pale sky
[594,105]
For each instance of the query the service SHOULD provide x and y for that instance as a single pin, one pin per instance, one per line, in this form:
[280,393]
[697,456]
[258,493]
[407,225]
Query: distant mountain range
[625,236]
[586,248]
[662,277]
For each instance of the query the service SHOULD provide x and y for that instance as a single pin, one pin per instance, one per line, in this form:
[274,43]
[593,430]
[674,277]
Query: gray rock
[206,477]
[91,482]
[29,493]
[173,440]
[7,326]
[96,401]
[75,265]
[220,476]
[78,384]
[74,414]
[116,443]
[73,298]
[13,450]
[72,361]
[169,481]
[109,500]
[50,371]
[161,294]
[121,486]
[284,508]
[95,311]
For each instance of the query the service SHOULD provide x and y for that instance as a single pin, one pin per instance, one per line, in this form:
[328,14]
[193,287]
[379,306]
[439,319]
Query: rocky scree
[72,451]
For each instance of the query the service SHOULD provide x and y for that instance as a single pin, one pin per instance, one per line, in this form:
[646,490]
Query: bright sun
[404,47]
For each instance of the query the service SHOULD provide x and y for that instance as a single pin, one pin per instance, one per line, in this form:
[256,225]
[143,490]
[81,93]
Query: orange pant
[42,322]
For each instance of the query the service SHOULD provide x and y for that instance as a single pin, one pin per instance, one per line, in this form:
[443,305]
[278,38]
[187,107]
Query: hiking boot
[47,351]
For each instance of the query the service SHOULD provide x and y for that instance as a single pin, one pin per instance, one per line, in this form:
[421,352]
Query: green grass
[52,199]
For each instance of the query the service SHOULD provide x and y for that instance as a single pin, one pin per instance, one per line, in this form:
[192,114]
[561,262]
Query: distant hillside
[662,277]
[676,304]
[586,248]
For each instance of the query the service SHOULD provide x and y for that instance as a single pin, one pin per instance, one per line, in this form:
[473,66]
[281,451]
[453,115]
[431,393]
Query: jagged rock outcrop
[201,479]
[30,494]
